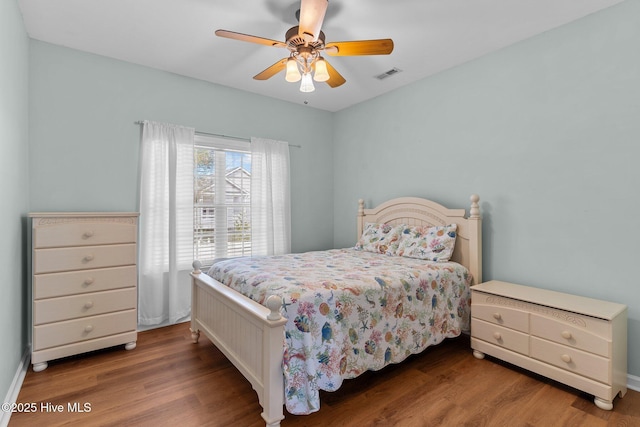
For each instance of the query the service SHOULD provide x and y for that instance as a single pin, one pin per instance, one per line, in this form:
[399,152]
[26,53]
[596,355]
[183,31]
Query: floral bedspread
[350,311]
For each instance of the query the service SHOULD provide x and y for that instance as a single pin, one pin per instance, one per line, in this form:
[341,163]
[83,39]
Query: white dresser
[84,285]
[578,341]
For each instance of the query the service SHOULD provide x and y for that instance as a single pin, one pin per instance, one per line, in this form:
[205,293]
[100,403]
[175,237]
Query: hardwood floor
[169,381]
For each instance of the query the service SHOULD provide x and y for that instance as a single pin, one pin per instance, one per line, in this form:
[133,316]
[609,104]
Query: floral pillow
[380,238]
[429,243]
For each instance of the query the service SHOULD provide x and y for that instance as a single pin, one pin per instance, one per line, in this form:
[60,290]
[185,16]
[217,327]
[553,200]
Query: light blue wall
[84,144]
[545,131]
[14,183]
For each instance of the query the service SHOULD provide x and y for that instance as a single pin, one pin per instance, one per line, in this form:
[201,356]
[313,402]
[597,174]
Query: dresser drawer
[70,331]
[501,311]
[83,231]
[79,282]
[71,307]
[83,258]
[569,335]
[577,361]
[498,335]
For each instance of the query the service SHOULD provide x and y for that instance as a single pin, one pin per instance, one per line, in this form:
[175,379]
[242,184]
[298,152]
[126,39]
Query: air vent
[389,73]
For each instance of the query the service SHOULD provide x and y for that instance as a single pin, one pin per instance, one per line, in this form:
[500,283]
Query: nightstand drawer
[495,310]
[577,361]
[565,334]
[82,231]
[83,258]
[83,281]
[72,307]
[70,331]
[497,335]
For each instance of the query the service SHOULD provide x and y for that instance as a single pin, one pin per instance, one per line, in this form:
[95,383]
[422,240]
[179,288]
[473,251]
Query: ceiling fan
[305,43]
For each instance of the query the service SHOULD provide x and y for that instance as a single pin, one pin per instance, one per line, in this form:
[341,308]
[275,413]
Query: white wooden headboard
[417,211]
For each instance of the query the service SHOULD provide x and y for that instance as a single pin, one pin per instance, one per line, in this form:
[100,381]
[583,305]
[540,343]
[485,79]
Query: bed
[293,335]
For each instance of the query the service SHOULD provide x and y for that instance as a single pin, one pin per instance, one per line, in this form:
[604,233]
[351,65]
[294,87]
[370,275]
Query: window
[222,199]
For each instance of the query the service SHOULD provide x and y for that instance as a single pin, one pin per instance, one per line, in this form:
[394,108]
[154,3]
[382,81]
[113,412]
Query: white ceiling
[178,36]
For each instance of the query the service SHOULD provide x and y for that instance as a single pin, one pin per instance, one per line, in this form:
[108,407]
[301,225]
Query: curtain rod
[239,138]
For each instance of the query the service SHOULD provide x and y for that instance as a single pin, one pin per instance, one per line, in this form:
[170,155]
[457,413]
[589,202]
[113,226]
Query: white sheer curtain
[270,200]
[166,223]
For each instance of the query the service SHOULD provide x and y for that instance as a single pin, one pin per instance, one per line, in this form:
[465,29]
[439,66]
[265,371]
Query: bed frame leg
[195,335]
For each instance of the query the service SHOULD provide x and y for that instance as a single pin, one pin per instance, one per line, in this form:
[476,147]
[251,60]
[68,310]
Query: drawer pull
[566,358]
[87,234]
[566,335]
[497,316]
[88,304]
[89,280]
[497,336]
[87,258]
[88,328]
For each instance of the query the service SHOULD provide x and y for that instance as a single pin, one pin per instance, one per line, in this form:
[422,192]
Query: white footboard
[250,335]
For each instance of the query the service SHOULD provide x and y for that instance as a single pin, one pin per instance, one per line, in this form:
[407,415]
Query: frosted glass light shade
[293,74]
[321,74]
[307,83]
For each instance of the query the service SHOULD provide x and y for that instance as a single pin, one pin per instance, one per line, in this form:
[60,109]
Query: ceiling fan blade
[360,47]
[249,38]
[272,70]
[335,78]
[311,17]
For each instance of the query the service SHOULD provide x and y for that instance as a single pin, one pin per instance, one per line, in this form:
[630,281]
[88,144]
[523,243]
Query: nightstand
[578,341]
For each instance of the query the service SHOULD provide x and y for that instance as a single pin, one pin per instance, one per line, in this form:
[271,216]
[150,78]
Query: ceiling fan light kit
[305,43]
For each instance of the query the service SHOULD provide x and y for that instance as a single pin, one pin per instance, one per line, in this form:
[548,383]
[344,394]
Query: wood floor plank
[168,380]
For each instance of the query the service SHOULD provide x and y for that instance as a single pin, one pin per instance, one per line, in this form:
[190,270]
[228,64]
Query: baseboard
[16,385]
[633,382]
